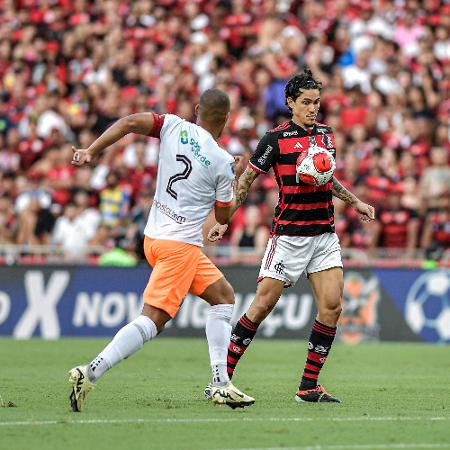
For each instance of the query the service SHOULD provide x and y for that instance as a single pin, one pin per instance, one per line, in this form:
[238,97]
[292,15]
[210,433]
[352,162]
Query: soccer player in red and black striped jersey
[303,237]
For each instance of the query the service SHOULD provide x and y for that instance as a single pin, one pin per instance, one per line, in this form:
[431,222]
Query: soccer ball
[315,166]
[427,308]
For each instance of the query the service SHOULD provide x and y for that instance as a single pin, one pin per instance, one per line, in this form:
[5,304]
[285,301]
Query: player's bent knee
[337,310]
[158,316]
[225,293]
[330,313]
[219,293]
[227,296]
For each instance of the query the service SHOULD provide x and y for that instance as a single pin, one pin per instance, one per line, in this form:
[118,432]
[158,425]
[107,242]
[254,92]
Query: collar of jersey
[308,132]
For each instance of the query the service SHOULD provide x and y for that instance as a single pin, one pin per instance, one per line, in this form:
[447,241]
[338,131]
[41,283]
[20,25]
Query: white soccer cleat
[81,386]
[229,395]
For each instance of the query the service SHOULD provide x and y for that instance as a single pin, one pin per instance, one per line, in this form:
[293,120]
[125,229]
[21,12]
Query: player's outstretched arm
[243,185]
[366,212]
[140,123]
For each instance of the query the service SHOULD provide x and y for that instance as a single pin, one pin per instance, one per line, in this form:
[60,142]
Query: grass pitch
[395,396]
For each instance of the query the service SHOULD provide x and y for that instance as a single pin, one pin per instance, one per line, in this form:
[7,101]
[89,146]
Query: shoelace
[320,388]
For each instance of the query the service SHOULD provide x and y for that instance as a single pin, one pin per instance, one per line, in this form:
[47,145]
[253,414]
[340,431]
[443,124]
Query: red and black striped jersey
[394,224]
[302,210]
[440,224]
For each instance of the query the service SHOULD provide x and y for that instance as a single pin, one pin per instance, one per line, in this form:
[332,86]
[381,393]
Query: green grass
[394,396]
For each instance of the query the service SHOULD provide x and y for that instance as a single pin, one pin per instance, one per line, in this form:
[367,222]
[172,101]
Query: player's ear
[197,106]
[290,102]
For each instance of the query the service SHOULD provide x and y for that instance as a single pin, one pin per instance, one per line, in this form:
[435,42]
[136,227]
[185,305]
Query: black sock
[319,346]
[241,337]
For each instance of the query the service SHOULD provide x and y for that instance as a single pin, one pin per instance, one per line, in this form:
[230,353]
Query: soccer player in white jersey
[195,175]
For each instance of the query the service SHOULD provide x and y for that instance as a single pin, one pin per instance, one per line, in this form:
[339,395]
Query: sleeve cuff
[256,169]
[158,122]
[224,204]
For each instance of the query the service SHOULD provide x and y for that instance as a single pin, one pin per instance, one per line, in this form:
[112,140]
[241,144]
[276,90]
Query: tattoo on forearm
[243,185]
[341,192]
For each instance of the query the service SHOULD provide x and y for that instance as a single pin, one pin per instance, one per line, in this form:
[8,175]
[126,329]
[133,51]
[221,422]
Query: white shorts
[287,257]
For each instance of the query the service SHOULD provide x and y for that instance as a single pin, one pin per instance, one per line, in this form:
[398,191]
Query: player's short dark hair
[303,81]
[214,105]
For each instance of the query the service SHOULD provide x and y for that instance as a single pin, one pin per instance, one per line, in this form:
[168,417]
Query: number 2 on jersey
[179,176]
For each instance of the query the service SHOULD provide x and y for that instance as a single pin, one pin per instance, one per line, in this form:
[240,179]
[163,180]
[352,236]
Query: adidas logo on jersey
[298,145]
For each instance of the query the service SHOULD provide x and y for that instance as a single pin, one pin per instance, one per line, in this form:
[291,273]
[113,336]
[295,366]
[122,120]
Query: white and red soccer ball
[315,166]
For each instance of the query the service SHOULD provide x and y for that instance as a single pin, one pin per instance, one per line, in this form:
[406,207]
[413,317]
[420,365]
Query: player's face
[305,108]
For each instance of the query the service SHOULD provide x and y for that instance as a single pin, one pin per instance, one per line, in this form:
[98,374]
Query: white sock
[127,341]
[218,331]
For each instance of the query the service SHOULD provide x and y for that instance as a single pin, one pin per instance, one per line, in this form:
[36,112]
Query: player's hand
[80,156]
[366,212]
[216,232]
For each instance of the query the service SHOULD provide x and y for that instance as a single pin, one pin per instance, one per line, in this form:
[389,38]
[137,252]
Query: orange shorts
[178,268]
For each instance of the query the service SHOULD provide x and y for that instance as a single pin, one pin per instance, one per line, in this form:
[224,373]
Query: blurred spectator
[436,233]
[435,181]
[89,216]
[253,234]
[397,227]
[114,201]
[139,215]
[8,221]
[35,220]
[71,233]
[243,143]
[342,222]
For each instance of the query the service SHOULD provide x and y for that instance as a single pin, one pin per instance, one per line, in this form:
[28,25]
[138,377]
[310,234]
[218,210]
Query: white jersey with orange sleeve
[194,173]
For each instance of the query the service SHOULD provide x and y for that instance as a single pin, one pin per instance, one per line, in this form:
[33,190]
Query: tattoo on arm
[344,194]
[243,185]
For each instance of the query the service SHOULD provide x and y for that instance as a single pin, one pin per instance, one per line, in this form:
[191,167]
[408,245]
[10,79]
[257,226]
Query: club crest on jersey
[327,140]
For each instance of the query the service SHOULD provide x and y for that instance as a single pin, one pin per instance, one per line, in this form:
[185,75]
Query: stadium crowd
[69,69]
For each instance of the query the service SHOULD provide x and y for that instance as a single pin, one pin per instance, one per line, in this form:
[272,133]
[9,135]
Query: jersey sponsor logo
[195,148]
[322,129]
[184,138]
[169,212]
[263,158]
[290,133]
[196,152]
